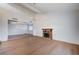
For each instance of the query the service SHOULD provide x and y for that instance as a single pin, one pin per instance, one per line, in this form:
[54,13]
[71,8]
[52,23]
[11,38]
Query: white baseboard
[72,42]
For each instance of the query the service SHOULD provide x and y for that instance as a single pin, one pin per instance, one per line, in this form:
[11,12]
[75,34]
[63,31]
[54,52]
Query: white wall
[15,29]
[3,29]
[64,25]
[3,26]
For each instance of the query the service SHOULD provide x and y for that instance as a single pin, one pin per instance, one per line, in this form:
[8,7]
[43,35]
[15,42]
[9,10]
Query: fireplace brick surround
[47,33]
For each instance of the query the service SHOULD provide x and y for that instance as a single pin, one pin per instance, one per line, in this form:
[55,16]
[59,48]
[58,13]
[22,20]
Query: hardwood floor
[32,45]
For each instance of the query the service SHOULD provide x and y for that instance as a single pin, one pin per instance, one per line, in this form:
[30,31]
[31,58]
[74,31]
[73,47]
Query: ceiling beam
[31,8]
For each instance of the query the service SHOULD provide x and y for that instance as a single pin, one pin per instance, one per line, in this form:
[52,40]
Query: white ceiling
[51,7]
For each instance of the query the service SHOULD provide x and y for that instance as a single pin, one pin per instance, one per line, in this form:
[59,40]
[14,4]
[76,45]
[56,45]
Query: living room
[39,24]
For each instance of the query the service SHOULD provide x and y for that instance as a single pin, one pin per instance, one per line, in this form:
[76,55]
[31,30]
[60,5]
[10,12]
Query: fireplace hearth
[47,33]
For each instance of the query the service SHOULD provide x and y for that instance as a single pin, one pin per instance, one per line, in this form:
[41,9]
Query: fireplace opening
[46,35]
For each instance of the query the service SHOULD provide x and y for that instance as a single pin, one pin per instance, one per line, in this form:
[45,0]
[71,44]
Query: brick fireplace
[47,33]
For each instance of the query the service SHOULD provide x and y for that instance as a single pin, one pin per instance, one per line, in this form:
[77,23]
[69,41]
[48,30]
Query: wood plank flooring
[33,45]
